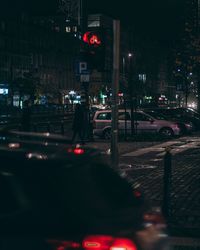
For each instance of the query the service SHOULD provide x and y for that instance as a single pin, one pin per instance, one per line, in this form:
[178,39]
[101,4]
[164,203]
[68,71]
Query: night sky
[160,18]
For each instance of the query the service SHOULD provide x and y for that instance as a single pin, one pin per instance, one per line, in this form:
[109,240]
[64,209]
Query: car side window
[104,116]
[124,116]
[141,117]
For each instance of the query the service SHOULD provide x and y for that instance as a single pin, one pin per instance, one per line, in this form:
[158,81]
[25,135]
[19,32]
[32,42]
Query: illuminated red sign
[92,38]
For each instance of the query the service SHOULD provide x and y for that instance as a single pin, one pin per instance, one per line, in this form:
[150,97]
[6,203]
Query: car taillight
[97,242]
[94,242]
[123,244]
[79,151]
[104,242]
[76,151]
[63,245]
[137,193]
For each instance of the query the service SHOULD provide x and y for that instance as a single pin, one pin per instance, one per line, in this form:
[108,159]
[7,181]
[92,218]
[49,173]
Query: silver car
[143,123]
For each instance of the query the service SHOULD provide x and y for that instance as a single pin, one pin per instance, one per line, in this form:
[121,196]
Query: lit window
[142,77]
[57,29]
[68,29]
[75,29]
[94,23]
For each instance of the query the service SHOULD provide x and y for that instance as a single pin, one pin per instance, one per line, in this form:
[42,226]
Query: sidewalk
[184,219]
[124,147]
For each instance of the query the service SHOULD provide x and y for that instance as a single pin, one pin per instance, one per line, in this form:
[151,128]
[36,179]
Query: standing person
[78,123]
[26,116]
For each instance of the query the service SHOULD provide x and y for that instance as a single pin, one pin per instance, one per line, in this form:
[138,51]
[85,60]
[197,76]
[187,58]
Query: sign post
[115,90]
[85,83]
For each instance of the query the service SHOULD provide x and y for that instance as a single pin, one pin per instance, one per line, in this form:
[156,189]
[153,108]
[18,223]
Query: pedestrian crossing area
[159,150]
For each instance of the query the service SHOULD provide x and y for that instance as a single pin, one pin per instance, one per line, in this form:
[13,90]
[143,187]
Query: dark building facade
[188,57]
[30,52]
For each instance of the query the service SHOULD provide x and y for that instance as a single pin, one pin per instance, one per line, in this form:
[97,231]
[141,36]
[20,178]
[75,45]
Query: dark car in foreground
[57,196]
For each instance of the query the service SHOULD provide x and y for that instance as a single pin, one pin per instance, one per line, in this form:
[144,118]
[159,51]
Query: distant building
[73,11]
[188,57]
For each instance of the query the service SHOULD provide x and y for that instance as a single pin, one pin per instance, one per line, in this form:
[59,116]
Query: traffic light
[93,39]
[94,50]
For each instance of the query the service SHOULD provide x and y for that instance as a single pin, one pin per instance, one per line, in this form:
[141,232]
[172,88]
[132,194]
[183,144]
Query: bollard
[166,206]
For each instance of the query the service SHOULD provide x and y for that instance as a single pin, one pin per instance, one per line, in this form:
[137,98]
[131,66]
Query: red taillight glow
[123,244]
[137,193]
[103,242]
[79,151]
[97,242]
[76,151]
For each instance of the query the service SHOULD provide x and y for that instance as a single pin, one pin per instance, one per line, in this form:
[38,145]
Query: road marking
[181,148]
[156,159]
[130,167]
[176,149]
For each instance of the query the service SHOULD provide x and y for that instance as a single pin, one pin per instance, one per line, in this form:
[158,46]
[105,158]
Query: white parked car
[143,123]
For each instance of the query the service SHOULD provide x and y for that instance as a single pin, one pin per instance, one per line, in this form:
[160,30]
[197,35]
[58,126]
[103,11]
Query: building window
[94,23]
[74,28]
[57,29]
[142,77]
[68,29]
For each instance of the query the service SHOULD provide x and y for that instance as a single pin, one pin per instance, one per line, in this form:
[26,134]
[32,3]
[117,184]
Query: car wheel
[167,132]
[107,134]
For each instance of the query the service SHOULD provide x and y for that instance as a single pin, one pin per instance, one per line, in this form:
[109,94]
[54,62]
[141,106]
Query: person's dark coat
[79,118]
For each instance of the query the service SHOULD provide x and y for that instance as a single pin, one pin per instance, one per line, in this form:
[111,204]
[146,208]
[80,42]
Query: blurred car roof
[57,190]
[44,146]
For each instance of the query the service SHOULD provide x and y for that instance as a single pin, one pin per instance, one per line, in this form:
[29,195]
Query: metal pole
[130,84]
[86,130]
[125,110]
[115,90]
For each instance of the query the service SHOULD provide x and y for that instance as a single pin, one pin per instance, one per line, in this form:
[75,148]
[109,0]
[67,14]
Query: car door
[144,123]
[103,120]
[124,122]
